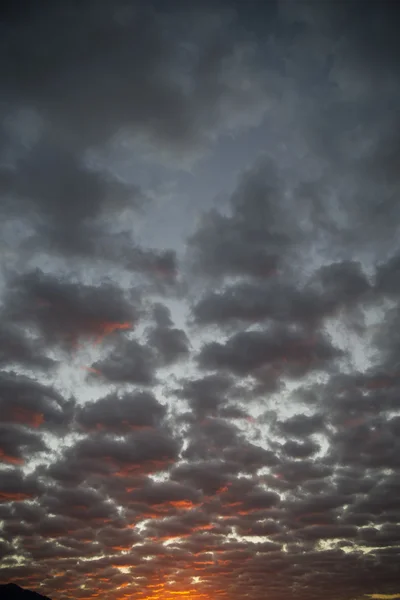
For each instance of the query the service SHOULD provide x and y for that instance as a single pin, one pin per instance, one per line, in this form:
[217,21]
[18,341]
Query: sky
[200,299]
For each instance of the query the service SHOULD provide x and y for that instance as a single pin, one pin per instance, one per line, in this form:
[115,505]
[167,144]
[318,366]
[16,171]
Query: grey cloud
[301,425]
[160,493]
[17,348]
[17,487]
[121,413]
[300,450]
[26,402]
[141,74]
[136,453]
[247,351]
[208,476]
[62,311]
[206,395]
[169,343]
[131,362]
[331,288]
[84,504]
[252,239]
[17,444]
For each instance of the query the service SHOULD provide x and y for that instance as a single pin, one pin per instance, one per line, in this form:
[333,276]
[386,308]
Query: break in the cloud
[200,299]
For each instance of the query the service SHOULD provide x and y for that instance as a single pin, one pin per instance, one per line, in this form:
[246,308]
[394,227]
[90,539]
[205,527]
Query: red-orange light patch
[27,417]
[12,460]
[109,327]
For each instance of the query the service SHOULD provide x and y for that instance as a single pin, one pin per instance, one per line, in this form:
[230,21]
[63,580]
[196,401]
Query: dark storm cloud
[247,351]
[62,311]
[388,277]
[82,503]
[17,444]
[170,344]
[208,476]
[121,414]
[131,362]
[137,363]
[168,492]
[212,438]
[24,401]
[250,241]
[142,451]
[300,425]
[300,450]
[206,395]
[52,188]
[16,487]
[17,348]
[99,69]
[162,315]
[68,209]
[333,287]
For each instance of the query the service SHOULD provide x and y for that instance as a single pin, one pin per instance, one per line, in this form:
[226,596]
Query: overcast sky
[200,299]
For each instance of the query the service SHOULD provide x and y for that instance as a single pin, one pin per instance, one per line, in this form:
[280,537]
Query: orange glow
[92,370]
[167,538]
[12,460]
[163,591]
[133,427]
[27,417]
[204,527]
[14,497]
[120,548]
[148,467]
[183,504]
[109,327]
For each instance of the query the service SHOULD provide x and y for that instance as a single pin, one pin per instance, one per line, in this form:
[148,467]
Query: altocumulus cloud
[200,299]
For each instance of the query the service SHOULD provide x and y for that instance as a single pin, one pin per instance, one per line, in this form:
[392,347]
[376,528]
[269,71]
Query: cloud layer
[218,417]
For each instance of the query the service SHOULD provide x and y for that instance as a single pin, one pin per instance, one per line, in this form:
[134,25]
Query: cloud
[17,348]
[132,362]
[16,487]
[121,413]
[331,289]
[62,312]
[247,351]
[253,239]
[231,425]
[139,452]
[26,402]
[16,442]
[51,187]
[168,81]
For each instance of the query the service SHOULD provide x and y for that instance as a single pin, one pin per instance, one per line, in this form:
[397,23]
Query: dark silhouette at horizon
[12,591]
